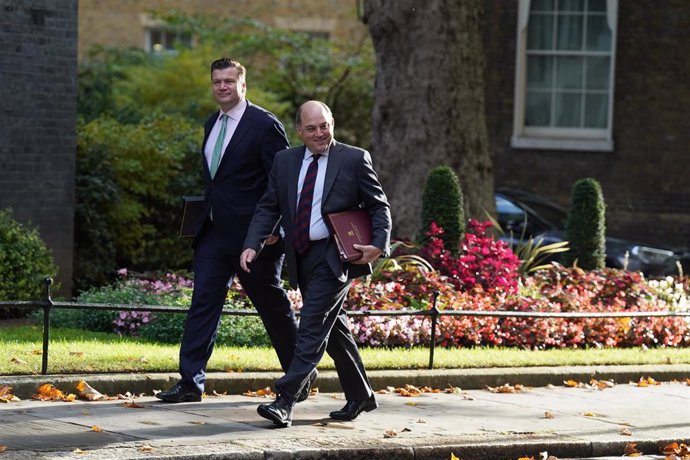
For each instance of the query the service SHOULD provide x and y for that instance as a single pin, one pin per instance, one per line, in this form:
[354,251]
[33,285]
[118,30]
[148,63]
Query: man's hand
[246,258]
[369,254]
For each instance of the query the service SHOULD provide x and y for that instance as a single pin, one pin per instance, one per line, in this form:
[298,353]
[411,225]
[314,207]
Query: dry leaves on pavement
[631,450]
[645,382]
[593,384]
[89,393]
[96,429]
[3,448]
[263,393]
[507,388]
[48,392]
[6,394]
[675,451]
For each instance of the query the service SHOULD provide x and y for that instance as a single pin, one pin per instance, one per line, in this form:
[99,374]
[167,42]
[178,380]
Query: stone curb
[468,379]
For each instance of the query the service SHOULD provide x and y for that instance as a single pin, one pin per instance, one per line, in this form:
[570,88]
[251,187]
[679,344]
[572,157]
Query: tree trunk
[429,103]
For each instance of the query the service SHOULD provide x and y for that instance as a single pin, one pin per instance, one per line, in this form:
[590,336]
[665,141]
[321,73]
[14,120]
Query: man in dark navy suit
[240,141]
[305,184]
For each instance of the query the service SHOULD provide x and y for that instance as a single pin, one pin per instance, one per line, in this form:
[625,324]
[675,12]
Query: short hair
[298,116]
[227,63]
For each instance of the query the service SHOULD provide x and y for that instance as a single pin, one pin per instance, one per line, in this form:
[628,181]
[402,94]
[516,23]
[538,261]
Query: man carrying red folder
[305,184]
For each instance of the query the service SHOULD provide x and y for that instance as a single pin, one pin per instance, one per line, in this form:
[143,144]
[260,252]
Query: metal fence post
[46,324]
[434,317]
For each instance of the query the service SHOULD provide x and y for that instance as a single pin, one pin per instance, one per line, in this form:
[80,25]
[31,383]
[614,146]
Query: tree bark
[429,103]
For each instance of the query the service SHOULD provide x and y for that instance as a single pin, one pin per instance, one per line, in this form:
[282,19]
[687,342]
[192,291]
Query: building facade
[38,90]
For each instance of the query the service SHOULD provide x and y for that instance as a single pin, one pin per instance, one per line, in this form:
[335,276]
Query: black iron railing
[47,304]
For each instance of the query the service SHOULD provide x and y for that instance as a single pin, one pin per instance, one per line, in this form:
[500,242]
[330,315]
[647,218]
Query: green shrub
[233,330]
[585,226]
[25,261]
[129,182]
[442,203]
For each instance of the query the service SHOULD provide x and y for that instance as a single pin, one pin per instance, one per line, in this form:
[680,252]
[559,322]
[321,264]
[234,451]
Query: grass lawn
[78,351]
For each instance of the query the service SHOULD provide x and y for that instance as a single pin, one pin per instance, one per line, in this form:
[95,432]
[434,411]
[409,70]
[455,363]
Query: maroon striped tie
[300,228]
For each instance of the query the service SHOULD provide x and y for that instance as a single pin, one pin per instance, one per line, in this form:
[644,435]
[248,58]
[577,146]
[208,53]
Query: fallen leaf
[143,360]
[37,352]
[626,432]
[404,430]
[85,412]
[453,457]
[86,391]
[215,393]
[390,434]
[263,393]
[78,451]
[97,429]
[148,422]
[548,414]
[550,386]
[6,394]
[676,449]
[411,403]
[132,405]
[645,382]
[78,354]
[589,414]
[468,397]
[602,384]
[146,448]
[197,422]
[570,383]
[3,448]
[70,397]
[506,388]
[453,390]
[631,450]
[421,420]
[16,360]
[48,392]
[526,458]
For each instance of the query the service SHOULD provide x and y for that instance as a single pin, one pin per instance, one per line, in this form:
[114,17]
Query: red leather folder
[349,228]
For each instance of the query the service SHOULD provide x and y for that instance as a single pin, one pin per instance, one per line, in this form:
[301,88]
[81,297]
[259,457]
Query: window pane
[538,109]
[569,72]
[156,38]
[570,32]
[540,32]
[542,5]
[598,33]
[567,110]
[598,73]
[596,5]
[539,72]
[596,110]
[571,5]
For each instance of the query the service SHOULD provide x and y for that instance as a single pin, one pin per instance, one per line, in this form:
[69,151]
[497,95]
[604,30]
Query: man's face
[316,128]
[228,89]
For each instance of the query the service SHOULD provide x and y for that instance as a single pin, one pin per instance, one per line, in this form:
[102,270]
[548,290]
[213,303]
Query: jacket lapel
[292,179]
[335,159]
[241,130]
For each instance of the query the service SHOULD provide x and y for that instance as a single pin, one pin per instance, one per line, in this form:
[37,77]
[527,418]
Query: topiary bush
[442,204]
[586,225]
[25,261]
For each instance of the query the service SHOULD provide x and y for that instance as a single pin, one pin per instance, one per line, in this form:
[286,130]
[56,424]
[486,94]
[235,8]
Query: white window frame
[530,137]
[164,31]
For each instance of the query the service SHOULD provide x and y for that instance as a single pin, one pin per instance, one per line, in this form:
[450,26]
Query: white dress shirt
[234,115]
[317,227]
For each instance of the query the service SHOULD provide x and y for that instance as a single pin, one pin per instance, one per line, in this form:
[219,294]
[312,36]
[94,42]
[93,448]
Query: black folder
[191,213]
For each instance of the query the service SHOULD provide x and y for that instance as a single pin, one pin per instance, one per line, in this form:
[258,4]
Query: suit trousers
[213,270]
[323,327]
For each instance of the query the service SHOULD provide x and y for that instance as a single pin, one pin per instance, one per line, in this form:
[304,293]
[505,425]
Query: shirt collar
[308,153]
[236,112]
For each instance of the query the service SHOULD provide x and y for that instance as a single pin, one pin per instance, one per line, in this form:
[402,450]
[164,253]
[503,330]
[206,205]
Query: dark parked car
[540,217]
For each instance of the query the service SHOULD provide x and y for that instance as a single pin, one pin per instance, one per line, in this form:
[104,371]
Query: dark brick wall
[38,85]
[645,179]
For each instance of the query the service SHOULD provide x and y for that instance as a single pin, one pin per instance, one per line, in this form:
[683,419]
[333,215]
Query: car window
[554,216]
[508,214]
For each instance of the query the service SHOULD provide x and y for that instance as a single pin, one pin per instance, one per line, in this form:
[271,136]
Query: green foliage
[442,204]
[129,182]
[533,254]
[289,68]
[25,261]
[585,226]
[233,330]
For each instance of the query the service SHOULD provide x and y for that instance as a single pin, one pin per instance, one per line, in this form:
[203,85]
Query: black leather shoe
[353,408]
[307,389]
[279,412]
[178,394]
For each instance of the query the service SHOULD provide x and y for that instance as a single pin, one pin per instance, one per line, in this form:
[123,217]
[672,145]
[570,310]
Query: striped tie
[300,229]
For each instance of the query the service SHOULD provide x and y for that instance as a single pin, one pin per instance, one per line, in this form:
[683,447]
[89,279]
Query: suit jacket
[242,174]
[350,182]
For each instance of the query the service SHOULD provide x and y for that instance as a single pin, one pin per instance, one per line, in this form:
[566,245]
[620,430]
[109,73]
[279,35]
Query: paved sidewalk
[474,424]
